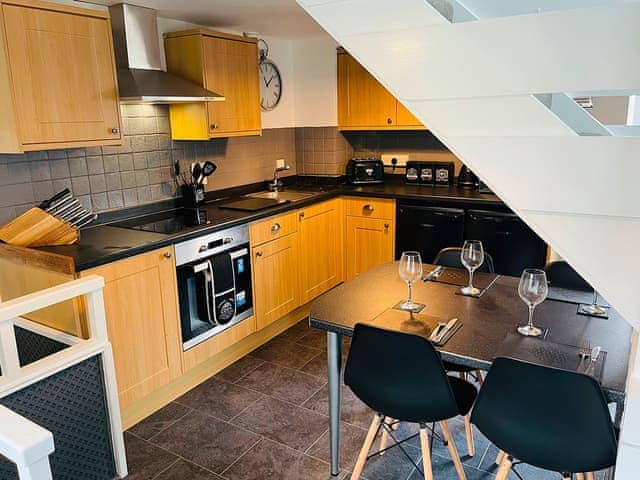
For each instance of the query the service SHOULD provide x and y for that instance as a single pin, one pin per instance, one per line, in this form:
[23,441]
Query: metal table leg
[334,358]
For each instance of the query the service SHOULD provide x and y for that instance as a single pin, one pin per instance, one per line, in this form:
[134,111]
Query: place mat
[566,295]
[415,323]
[548,354]
[581,311]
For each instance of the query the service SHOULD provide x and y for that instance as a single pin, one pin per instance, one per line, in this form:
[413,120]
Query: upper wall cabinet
[364,104]
[58,86]
[223,63]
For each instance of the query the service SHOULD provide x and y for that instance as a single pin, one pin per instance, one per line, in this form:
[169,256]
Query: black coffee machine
[467,179]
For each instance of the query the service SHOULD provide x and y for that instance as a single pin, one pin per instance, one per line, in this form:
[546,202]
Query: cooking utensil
[179,174]
[60,202]
[195,173]
[58,196]
[68,205]
[207,169]
[86,220]
[71,213]
[434,274]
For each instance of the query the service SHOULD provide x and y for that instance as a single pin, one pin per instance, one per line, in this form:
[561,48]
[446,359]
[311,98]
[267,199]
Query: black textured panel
[33,347]
[71,404]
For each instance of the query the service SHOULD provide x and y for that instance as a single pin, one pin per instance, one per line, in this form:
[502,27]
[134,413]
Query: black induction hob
[169,222]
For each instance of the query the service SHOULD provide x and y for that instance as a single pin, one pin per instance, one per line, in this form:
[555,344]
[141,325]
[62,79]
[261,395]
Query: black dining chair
[400,376]
[450,257]
[553,419]
[561,274]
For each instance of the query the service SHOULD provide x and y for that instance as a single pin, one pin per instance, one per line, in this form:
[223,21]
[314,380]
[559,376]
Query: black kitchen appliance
[513,245]
[466,178]
[428,229]
[214,283]
[422,173]
[365,170]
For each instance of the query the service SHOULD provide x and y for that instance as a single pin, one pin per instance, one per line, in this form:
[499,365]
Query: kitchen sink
[289,195]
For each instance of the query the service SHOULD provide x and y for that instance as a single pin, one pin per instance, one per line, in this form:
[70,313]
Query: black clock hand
[270,80]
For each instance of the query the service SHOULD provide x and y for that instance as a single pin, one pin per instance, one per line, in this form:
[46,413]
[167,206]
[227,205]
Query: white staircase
[489,78]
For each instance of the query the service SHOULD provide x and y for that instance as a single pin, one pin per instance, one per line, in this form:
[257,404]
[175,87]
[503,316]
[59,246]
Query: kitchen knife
[433,274]
[58,196]
[90,218]
[60,202]
[73,203]
[78,216]
[595,353]
[71,213]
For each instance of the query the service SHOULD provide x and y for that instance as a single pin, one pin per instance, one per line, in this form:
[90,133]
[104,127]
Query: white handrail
[14,377]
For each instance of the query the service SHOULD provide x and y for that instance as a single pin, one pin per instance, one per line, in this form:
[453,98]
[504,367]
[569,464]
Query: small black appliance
[365,170]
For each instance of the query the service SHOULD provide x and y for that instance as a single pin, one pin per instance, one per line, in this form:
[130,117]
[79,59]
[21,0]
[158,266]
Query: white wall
[315,81]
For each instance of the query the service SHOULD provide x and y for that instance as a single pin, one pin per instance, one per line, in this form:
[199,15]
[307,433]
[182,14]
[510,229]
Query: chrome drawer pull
[275,227]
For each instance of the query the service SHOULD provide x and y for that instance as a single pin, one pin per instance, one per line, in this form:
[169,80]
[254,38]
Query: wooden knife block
[37,228]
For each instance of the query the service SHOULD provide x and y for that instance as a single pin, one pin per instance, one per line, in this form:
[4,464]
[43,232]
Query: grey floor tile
[144,460]
[160,420]
[282,383]
[353,410]
[221,399]
[270,460]
[444,469]
[283,422]
[314,338]
[456,427]
[206,441]
[351,440]
[285,353]
[527,472]
[183,470]
[239,369]
[393,465]
[296,332]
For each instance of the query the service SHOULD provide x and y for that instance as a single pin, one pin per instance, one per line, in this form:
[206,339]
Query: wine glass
[471,256]
[410,270]
[532,290]
[594,308]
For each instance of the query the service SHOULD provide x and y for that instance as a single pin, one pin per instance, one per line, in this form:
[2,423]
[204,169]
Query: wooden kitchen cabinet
[369,234]
[321,248]
[364,104]
[141,308]
[58,86]
[225,64]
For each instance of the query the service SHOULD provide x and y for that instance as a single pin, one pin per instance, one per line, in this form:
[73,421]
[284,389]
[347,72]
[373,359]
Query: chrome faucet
[276,183]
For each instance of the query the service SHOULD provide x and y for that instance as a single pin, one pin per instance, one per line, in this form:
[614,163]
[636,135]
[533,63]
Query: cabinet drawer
[371,207]
[272,228]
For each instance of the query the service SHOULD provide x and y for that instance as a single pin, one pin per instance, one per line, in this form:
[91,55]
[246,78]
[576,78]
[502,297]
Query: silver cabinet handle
[389,121]
[167,254]
[214,126]
[369,207]
[115,130]
[386,226]
[258,254]
[301,215]
[275,227]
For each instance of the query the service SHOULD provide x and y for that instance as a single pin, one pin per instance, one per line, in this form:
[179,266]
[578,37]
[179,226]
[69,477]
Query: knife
[433,274]
[442,330]
[595,353]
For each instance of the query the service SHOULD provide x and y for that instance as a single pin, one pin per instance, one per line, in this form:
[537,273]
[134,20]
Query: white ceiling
[277,18]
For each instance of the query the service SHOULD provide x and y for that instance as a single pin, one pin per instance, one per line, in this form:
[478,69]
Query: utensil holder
[37,228]
[193,195]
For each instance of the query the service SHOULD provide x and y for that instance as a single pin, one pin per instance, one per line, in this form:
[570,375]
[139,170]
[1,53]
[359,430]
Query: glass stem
[409,299]
[470,279]
[531,308]
[595,297]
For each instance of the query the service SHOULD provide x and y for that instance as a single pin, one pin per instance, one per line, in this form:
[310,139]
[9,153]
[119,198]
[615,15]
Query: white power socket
[280,163]
[394,159]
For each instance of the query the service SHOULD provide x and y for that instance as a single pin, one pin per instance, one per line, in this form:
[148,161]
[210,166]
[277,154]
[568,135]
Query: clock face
[270,85]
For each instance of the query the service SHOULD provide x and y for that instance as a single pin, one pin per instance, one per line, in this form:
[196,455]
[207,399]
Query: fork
[583,353]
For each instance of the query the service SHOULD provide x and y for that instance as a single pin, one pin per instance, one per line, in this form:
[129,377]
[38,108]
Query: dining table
[486,322]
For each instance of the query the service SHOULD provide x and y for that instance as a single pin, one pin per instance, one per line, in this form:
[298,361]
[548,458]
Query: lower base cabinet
[275,279]
[369,242]
[142,322]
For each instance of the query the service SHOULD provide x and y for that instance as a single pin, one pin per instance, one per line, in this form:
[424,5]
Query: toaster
[365,170]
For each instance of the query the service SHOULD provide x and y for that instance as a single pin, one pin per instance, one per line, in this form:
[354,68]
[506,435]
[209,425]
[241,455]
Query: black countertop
[486,321]
[103,244]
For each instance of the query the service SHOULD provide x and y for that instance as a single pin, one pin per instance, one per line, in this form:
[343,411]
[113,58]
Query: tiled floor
[265,417]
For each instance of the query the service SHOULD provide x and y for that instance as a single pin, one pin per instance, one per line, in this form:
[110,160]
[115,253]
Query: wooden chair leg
[590,476]
[462,375]
[504,468]
[368,441]
[579,476]
[426,453]
[471,449]
[453,451]
[480,377]
[500,457]
[384,438]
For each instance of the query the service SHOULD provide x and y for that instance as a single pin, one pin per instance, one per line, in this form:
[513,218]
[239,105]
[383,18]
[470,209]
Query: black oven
[214,283]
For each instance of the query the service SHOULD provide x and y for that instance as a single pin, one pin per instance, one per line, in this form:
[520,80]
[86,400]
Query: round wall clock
[270,79]
[270,85]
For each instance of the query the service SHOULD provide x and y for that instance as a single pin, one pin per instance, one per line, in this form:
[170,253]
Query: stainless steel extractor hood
[138,58]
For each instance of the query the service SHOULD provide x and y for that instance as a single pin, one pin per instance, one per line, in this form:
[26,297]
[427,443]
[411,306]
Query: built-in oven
[214,283]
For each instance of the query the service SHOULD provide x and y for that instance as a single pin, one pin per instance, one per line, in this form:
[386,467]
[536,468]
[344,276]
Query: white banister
[26,444]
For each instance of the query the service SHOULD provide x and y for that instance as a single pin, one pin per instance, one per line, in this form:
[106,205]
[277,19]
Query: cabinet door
[231,69]
[321,248]
[369,242]
[362,101]
[275,279]
[404,118]
[63,74]
[141,308]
